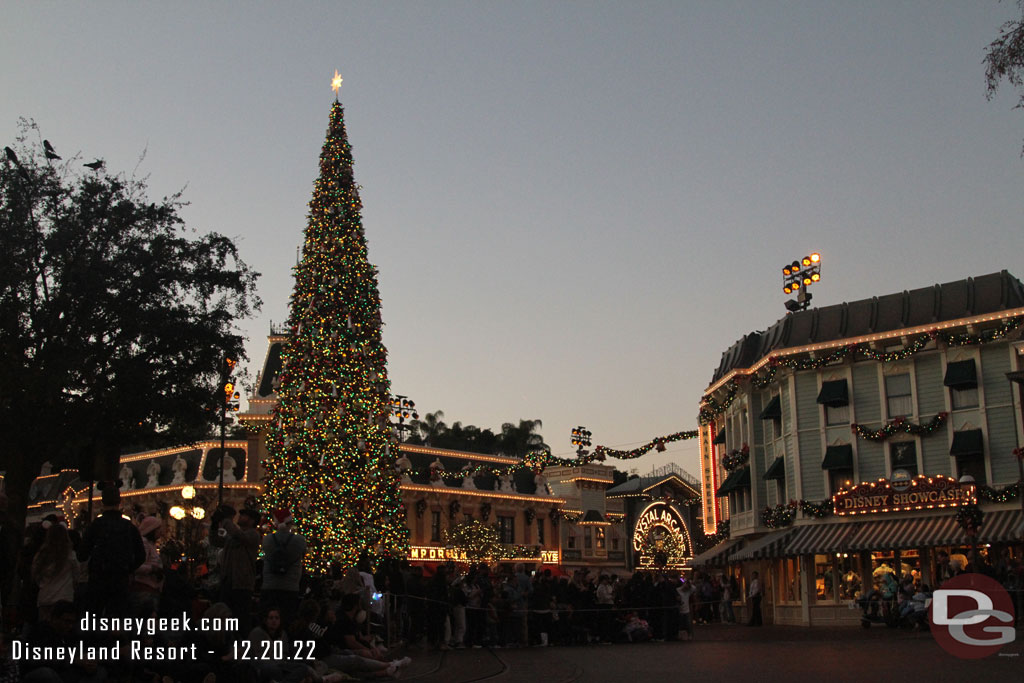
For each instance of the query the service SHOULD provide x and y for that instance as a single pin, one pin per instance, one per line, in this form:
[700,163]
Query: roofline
[847,341]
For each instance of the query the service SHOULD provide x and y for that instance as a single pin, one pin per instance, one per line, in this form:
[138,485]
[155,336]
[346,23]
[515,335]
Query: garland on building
[970,518]
[330,449]
[900,424]
[784,514]
[1003,495]
[779,516]
[733,460]
[710,408]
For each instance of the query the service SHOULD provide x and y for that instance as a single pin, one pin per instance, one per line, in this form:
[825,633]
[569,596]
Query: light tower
[797,277]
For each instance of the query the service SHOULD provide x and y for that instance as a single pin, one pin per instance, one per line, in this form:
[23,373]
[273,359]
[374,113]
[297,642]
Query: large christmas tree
[331,449]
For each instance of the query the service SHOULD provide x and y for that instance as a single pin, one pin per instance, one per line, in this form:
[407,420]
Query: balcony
[742,521]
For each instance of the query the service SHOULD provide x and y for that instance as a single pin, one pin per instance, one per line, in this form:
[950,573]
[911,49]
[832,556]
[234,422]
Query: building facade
[859,439]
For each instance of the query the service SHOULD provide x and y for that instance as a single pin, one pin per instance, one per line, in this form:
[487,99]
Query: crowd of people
[267,620]
[508,607]
[108,604]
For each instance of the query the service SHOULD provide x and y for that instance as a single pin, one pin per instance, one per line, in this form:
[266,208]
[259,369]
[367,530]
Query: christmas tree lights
[331,451]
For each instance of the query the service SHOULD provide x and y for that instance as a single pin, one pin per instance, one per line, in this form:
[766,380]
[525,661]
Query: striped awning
[719,555]
[815,539]
[1001,525]
[768,546]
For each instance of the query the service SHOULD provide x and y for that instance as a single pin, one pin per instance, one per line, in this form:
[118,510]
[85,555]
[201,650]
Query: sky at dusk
[574,207]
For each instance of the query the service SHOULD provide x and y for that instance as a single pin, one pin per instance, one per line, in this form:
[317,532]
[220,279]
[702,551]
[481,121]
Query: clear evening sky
[575,207]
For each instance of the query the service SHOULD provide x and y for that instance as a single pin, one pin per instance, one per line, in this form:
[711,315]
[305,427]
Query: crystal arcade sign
[660,537]
[903,493]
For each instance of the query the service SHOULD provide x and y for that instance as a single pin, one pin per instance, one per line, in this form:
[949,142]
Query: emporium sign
[903,493]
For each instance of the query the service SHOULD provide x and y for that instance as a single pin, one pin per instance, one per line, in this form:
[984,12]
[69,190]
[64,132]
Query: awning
[967,443]
[777,470]
[838,458]
[766,547]
[739,479]
[728,485]
[961,375]
[834,393]
[719,555]
[908,533]
[772,411]
[815,539]
[719,437]
[1001,526]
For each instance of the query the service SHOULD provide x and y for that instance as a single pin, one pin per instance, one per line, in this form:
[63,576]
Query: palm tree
[518,440]
[430,428]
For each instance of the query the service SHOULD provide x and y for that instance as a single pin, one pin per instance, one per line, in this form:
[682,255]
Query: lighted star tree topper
[331,449]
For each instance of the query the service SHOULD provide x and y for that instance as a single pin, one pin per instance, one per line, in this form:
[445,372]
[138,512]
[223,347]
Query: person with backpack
[283,553]
[113,548]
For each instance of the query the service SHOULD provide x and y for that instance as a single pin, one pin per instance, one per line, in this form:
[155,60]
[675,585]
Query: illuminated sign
[708,468]
[433,554]
[919,493]
[660,537]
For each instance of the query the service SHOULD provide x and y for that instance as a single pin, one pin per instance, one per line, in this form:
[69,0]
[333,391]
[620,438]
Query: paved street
[726,654]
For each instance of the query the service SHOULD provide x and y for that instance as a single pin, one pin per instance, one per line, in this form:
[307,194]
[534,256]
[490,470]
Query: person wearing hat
[148,579]
[113,547]
[283,552]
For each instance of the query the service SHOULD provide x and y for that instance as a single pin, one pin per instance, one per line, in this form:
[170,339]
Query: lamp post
[580,439]
[797,277]
[230,402]
[403,408]
[194,513]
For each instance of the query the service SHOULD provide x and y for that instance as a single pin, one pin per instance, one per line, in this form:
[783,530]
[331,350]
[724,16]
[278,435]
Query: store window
[789,581]
[435,526]
[898,396]
[848,577]
[903,456]
[825,584]
[588,538]
[540,531]
[599,538]
[571,541]
[615,543]
[507,529]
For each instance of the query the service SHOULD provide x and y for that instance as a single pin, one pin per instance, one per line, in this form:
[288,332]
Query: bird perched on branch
[96,165]
[13,158]
[50,152]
